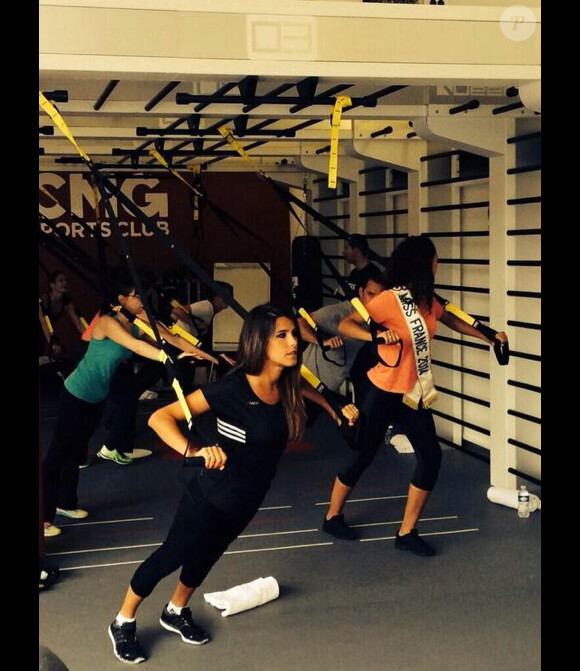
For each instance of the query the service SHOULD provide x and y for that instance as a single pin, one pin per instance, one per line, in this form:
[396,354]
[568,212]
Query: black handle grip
[502,352]
[196,462]
[501,349]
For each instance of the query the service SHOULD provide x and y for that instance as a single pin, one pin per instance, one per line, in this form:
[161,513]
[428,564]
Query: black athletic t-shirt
[252,433]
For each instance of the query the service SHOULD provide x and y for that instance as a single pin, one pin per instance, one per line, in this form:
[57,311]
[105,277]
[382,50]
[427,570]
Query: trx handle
[320,339]
[196,462]
[373,328]
[501,349]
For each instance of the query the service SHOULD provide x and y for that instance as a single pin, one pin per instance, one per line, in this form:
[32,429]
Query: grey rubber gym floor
[345,606]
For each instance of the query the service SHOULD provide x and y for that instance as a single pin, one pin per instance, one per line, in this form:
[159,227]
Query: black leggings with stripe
[379,409]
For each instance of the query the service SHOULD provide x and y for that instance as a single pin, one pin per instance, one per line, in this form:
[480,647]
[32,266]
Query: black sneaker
[414,543]
[125,644]
[337,527]
[183,624]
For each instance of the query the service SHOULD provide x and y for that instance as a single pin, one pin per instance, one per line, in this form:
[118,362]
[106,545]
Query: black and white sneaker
[412,542]
[125,644]
[183,625]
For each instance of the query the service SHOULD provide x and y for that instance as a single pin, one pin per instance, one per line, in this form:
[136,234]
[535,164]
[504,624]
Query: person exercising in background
[53,304]
[196,318]
[334,366]
[82,400]
[356,253]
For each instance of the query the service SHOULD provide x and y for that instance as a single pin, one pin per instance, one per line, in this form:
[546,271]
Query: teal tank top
[91,379]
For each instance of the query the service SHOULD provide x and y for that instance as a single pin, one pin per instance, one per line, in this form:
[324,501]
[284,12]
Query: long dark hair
[258,328]
[411,266]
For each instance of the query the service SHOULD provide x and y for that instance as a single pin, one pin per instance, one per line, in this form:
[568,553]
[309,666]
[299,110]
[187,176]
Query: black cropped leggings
[378,409]
[198,537]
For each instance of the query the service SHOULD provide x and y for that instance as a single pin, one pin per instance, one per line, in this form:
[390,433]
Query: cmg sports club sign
[74,193]
[163,199]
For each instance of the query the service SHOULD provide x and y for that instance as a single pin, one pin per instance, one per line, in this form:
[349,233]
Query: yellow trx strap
[458,312]
[360,308]
[164,163]
[48,324]
[58,121]
[341,101]
[302,312]
[231,140]
[177,330]
[163,358]
[84,323]
[309,376]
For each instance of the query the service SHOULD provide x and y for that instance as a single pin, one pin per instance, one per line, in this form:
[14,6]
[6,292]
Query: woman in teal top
[82,401]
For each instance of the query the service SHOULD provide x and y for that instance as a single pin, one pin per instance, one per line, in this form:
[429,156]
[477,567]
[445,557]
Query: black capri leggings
[198,537]
[378,409]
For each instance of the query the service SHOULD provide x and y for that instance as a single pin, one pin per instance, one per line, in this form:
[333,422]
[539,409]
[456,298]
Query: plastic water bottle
[523,502]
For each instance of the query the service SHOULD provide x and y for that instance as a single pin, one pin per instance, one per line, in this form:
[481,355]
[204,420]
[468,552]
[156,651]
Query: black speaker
[306,272]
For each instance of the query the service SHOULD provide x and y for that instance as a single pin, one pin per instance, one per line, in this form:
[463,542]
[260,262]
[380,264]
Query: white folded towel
[244,597]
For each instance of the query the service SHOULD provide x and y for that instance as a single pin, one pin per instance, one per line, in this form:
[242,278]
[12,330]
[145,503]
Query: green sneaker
[114,455]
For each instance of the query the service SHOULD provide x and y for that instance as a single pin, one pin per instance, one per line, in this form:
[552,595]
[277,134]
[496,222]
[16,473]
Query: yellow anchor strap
[58,121]
[341,101]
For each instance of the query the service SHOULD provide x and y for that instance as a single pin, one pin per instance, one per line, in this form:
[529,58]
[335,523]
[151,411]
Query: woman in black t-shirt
[255,411]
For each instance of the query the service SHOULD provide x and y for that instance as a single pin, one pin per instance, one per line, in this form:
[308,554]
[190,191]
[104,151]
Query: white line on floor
[231,552]
[431,533]
[375,498]
[121,563]
[275,508]
[152,545]
[422,519]
[279,533]
[86,524]
[118,547]
[285,547]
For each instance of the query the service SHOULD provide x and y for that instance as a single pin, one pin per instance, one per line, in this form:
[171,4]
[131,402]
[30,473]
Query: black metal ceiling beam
[469,105]
[158,97]
[387,91]
[118,151]
[307,90]
[220,92]
[305,124]
[174,124]
[193,121]
[387,130]
[247,88]
[253,145]
[109,88]
[330,92]
[507,108]
[75,160]
[239,130]
[46,130]
[186,99]
[274,92]
[57,96]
